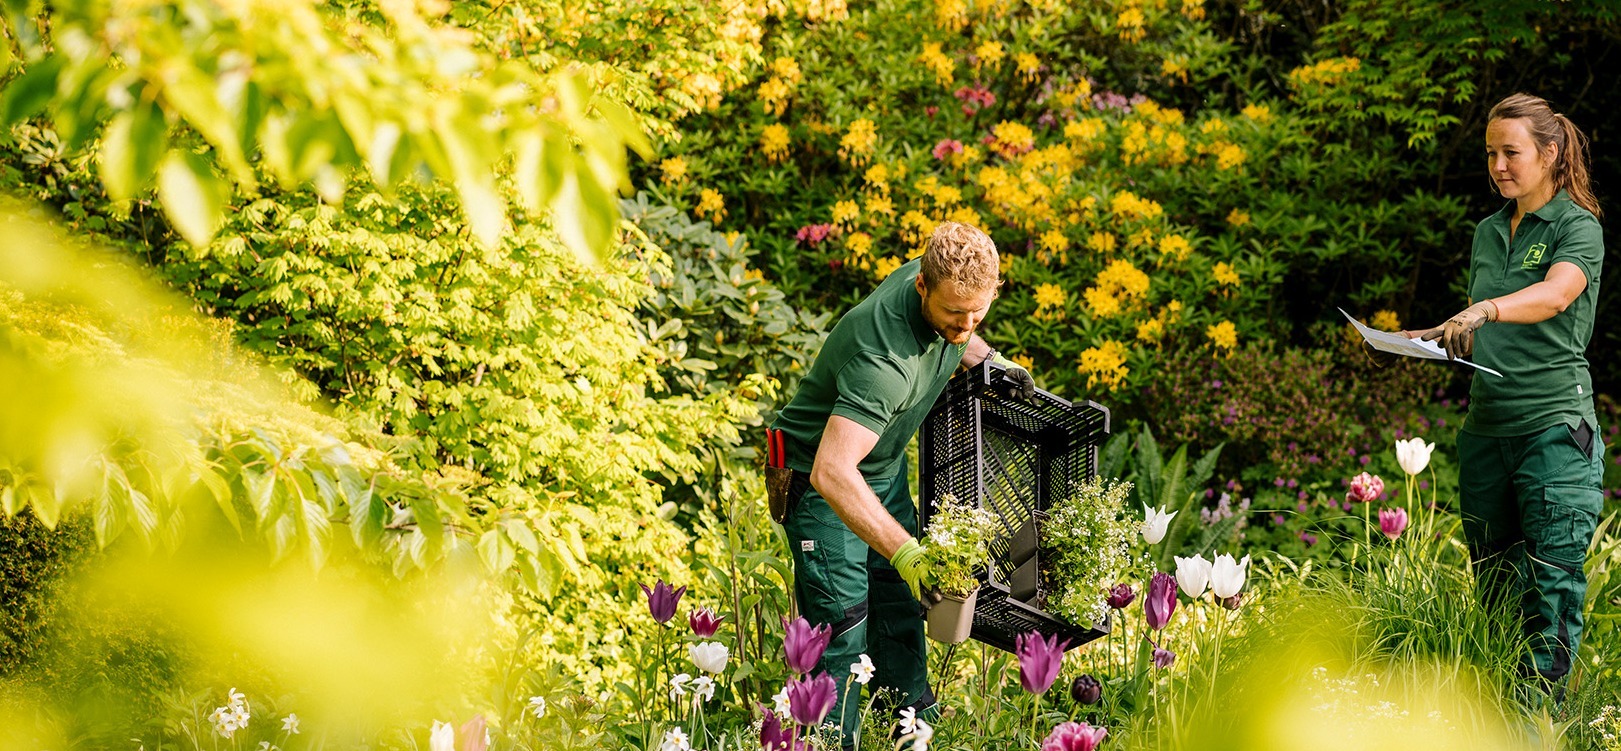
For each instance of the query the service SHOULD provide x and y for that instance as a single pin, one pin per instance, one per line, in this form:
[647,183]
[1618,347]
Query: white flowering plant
[956,545]
[1086,544]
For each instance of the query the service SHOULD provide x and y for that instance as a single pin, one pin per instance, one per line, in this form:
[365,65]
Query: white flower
[862,669]
[1192,575]
[675,739]
[921,735]
[1155,523]
[1227,575]
[443,737]
[678,686]
[710,656]
[537,706]
[908,721]
[781,702]
[265,746]
[289,724]
[703,687]
[1413,455]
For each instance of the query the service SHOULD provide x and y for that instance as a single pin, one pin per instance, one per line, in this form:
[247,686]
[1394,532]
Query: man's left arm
[977,351]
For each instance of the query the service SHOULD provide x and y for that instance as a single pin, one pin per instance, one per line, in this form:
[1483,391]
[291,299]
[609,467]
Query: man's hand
[908,561]
[1024,386]
[1457,335]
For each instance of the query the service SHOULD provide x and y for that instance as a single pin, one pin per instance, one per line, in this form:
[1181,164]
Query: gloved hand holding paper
[1397,344]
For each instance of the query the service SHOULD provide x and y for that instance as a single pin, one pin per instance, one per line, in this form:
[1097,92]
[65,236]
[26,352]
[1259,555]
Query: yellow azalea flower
[965,215]
[1172,68]
[774,97]
[1223,335]
[1029,66]
[939,62]
[826,10]
[1224,274]
[879,204]
[951,15]
[989,53]
[1130,24]
[774,142]
[1143,238]
[1175,247]
[969,155]
[1123,279]
[711,205]
[1102,242]
[1049,296]
[1150,331]
[858,142]
[1327,72]
[1238,218]
[878,176]
[1100,302]
[1213,125]
[1012,138]
[947,195]
[885,266]
[1385,320]
[674,170]
[1104,365]
[1054,241]
[1173,311]
[1024,361]
[787,69]
[845,212]
[858,243]
[1193,9]
[1129,205]
[1230,155]
[1258,112]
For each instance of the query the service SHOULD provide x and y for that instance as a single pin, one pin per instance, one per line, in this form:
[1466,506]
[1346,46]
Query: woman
[1530,464]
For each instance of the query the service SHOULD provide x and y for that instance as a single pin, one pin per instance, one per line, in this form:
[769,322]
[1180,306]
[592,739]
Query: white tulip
[1192,575]
[1227,575]
[710,656]
[1155,522]
[443,737]
[1413,455]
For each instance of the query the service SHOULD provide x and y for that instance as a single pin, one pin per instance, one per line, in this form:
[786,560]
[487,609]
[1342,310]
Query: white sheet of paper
[1400,345]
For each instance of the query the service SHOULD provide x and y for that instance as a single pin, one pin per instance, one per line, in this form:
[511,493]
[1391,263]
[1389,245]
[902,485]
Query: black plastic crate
[1010,456]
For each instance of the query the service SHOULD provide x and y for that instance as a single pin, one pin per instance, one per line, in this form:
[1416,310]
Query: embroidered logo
[807,545]
[1533,256]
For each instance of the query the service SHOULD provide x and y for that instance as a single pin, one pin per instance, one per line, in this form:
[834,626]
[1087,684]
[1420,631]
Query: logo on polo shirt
[1533,256]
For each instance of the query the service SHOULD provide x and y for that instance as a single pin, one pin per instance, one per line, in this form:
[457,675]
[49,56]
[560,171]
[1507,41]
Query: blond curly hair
[962,255]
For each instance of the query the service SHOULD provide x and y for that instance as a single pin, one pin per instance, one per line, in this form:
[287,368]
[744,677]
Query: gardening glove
[1024,386]
[1457,335]
[908,561]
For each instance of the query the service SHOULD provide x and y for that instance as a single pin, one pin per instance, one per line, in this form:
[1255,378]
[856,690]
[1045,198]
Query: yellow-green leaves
[192,197]
[130,148]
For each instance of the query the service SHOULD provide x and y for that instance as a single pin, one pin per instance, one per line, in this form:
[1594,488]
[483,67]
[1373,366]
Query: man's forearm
[858,507]
[976,351]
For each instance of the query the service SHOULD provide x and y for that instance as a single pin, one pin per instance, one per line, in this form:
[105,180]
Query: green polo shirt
[882,366]
[1544,365]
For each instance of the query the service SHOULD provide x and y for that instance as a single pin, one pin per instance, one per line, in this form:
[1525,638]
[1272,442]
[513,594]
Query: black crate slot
[1009,456]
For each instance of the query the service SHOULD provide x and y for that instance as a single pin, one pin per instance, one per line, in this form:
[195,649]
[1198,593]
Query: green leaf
[130,148]
[192,197]
[25,96]
[549,573]
[521,534]
[496,551]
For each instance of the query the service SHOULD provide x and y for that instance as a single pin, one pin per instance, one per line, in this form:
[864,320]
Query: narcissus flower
[863,670]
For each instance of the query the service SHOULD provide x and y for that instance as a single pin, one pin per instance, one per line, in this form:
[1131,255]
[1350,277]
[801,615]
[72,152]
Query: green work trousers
[841,582]
[1530,504]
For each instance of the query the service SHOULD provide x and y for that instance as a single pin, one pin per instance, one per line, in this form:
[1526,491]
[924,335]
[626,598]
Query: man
[851,522]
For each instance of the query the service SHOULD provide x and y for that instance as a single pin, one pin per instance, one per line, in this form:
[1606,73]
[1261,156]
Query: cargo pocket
[1562,522]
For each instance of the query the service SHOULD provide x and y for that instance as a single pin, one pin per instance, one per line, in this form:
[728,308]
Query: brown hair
[1570,172]
[962,255]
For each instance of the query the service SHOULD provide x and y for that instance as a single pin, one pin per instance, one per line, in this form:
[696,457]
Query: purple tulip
[1074,736]
[661,601]
[774,737]
[1039,660]
[803,644]
[1392,522]
[1086,690]
[810,699]
[1163,658]
[1121,596]
[1160,602]
[704,622]
[1365,487]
